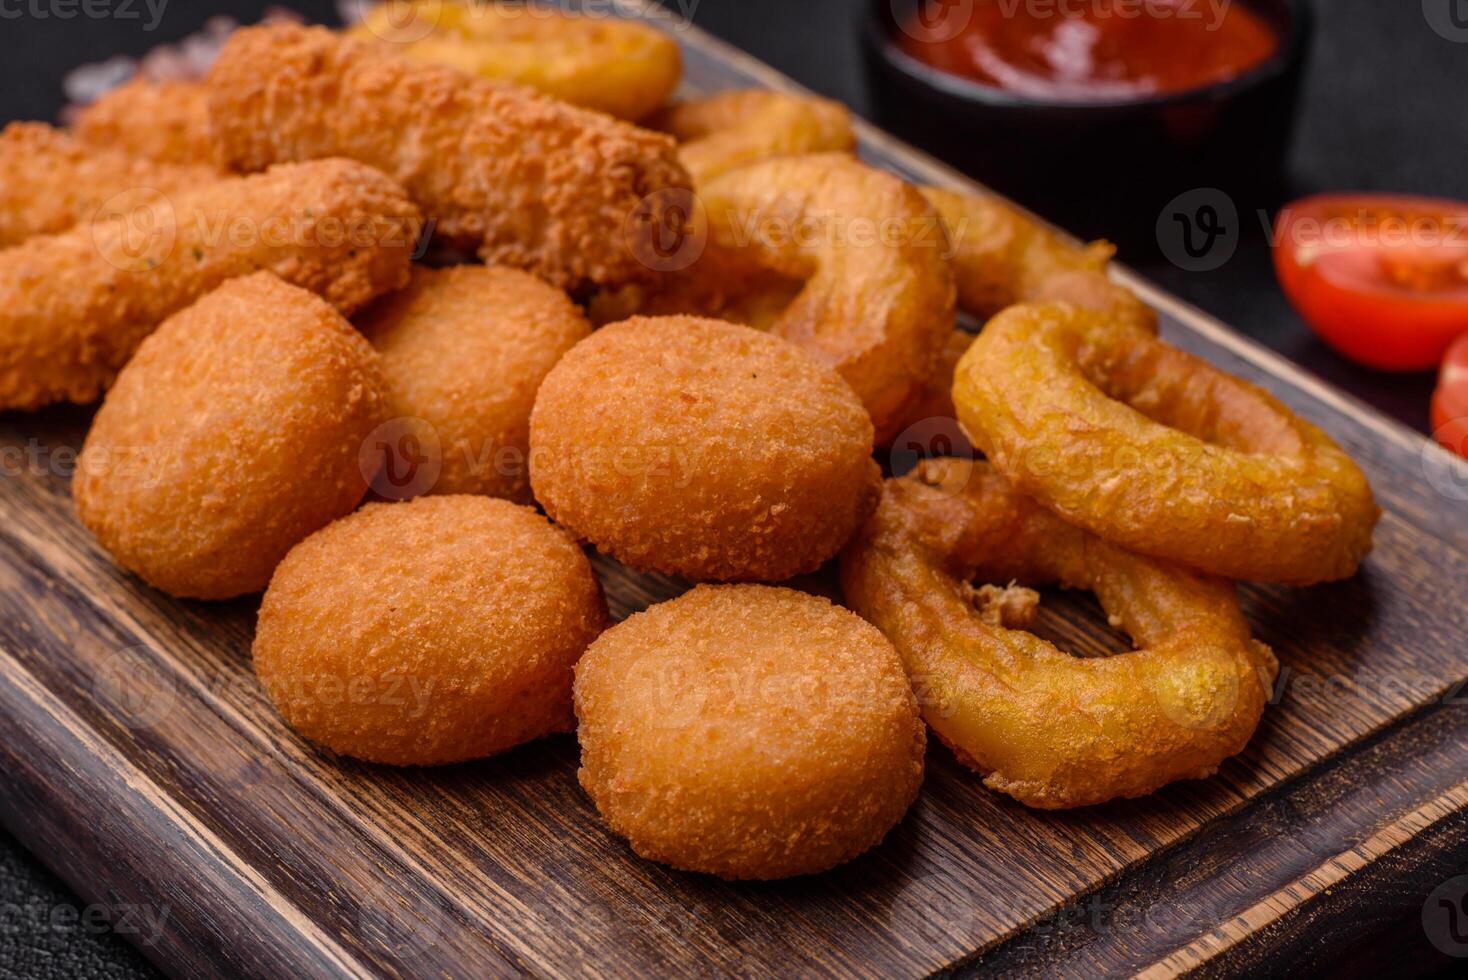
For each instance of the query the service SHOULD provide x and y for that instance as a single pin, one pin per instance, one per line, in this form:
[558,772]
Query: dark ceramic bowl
[1114,159]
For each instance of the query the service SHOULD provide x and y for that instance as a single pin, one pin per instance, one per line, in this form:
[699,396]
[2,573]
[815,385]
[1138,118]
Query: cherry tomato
[1450,404]
[1382,278]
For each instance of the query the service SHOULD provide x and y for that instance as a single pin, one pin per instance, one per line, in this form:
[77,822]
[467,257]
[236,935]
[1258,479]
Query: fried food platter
[144,763]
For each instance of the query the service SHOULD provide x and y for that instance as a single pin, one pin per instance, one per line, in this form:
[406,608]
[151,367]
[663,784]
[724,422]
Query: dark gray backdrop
[1384,109]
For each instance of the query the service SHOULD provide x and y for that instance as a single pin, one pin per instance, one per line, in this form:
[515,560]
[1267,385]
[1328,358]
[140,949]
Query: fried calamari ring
[875,291]
[748,732]
[1001,256]
[703,449]
[1150,447]
[1047,728]
[731,129]
[615,65]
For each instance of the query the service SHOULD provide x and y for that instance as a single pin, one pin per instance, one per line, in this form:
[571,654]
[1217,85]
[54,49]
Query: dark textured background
[1383,109]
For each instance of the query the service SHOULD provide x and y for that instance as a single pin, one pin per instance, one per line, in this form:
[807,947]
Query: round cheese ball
[704,449]
[428,632]
[749,732]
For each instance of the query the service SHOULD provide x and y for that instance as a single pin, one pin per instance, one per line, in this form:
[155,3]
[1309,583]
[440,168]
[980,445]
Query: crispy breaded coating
[234,433]
[163,121]
[429,632]
[74,307]
[748,732]
[525,180]
[704,449]
[464,350]
[51,181]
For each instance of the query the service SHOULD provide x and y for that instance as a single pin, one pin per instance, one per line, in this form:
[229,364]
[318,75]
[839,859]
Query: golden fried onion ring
[731,129]
[612,64]
[1148,446]
[1002,256]
[876,299]
[1047,728]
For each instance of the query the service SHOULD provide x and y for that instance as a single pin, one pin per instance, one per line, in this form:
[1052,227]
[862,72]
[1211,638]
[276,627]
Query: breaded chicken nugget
[748,732]
[429,632]
[234,433]
[74,307]
[702,448]
[464,351]
[52,182]
[726,131]
[618,66]
[163,121]
[527,181]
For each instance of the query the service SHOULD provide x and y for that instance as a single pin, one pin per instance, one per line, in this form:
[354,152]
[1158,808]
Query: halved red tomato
[1382,278]
[1450,404]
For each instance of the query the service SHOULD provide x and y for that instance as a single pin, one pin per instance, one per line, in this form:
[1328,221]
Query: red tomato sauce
[1089,49]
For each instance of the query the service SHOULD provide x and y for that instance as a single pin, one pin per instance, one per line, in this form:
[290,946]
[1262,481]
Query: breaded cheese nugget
[428,632]
[51,181]
[234,433]
[748,732]
[527,181]
[704,449]
[163,121]
[74,306]
[464,351]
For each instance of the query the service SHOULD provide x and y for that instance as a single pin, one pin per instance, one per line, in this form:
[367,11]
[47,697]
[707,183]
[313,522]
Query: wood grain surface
[144,764]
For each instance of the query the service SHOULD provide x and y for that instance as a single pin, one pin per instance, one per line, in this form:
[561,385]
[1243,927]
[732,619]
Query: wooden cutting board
[143,763]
